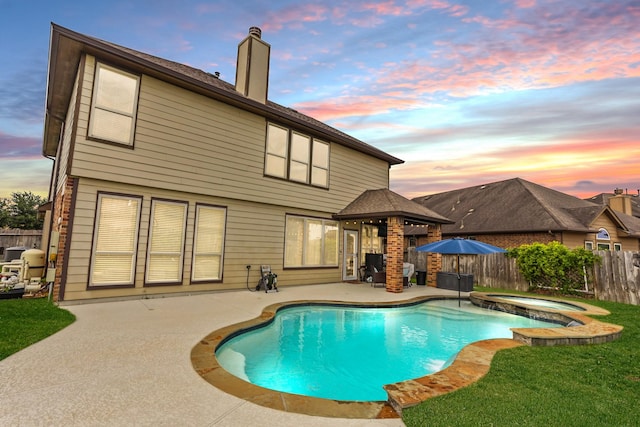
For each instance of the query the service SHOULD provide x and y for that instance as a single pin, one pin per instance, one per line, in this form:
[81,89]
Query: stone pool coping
[471,363]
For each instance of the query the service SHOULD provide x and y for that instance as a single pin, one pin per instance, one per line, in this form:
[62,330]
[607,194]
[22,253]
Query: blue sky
[466,92]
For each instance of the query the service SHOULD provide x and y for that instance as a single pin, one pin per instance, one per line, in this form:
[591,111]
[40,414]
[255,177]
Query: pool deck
[130,363]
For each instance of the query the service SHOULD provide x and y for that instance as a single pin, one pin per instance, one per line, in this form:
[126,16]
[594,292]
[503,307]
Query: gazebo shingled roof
[383,203]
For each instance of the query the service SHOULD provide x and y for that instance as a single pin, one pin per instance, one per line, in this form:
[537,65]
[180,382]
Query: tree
[4,213]
[21,211]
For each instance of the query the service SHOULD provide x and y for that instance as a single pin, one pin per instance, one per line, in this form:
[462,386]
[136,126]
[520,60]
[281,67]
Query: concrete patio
[128,363]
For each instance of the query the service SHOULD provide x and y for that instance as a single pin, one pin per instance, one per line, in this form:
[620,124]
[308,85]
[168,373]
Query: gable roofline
[383,203]
[512,206]
[67,48]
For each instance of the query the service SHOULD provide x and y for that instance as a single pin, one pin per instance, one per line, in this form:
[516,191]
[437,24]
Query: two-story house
[169,180]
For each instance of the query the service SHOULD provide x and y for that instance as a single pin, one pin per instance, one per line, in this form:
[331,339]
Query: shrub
[553,265]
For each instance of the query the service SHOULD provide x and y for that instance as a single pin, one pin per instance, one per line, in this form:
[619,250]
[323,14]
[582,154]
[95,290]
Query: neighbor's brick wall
[508,241]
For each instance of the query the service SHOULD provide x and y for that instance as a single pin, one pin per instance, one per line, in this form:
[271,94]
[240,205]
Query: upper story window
[114,105]
[603,234]
[297,157]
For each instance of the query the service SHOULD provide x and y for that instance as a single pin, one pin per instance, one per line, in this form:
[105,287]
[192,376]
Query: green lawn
[593,385]
[27,321]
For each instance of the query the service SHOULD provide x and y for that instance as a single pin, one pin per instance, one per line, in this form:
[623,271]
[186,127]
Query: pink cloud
[605,162]
[385,8]
[293,16]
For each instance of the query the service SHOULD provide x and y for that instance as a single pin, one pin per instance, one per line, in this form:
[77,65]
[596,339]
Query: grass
[27,321]
[592,385]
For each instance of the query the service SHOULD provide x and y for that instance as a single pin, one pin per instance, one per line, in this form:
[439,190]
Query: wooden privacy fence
[616,278]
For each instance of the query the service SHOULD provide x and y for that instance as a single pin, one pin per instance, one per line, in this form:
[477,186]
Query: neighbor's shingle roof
[512,206]
[66,50]
[603,199]
[383,203]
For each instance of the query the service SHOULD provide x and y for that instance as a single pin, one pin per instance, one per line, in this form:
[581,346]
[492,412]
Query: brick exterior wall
[395,253]
[61,216]
[508,241]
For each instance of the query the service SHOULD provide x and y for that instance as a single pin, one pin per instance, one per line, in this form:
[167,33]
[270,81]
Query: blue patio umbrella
[459,246]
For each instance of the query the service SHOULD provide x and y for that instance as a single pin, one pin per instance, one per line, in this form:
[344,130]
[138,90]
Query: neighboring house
[619,201]
[514,212]
[169,180]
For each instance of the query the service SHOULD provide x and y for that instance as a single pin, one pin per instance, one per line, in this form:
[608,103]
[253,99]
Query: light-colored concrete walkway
[128,363]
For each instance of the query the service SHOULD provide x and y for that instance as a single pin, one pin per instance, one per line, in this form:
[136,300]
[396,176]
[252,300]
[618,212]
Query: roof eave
[69,57]
[408,216]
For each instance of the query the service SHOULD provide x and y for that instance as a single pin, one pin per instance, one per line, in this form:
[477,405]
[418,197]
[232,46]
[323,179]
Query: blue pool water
[539,302]
[349,353]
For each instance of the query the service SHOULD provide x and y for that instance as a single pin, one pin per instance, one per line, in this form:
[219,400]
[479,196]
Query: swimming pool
[539,302]
[349,353]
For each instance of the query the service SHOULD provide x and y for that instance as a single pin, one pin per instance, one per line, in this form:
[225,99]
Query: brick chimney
[252,71]
[621,202]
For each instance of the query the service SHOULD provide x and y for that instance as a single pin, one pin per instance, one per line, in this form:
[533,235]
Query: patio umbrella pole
[458,245]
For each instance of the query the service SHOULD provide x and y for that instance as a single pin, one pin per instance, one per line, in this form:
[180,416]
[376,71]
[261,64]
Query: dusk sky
[466,92]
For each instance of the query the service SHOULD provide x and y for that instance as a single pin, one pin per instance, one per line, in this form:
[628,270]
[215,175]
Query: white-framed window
[371,242]
[310,242]
[208,246]
[603,234]
[296,157]
[165,251]
[617,246]
[115,240]
[588,245]
[114,105]
[604,246]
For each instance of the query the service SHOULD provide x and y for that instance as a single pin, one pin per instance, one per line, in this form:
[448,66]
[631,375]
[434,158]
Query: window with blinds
[296,157]
[310,242]
[165,252]
[208,246]
[114,105]
[115,240]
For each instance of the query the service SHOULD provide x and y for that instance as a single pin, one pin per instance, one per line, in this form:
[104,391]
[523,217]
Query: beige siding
[254,236]
[186,142]
[576,240]
[64,148]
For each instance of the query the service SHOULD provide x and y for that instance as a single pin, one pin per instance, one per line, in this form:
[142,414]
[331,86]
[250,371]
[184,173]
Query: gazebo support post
[395,253]
[434,260]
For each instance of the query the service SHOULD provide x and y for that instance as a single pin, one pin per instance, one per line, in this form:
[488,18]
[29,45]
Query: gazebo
[385,208]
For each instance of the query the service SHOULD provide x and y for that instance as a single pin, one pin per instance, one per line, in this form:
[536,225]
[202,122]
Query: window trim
[314,165]
[304,242]
[178,281]
[132,115]
[311,164]
[136,241]
[195,237]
